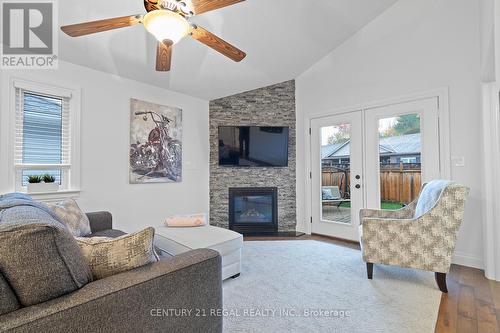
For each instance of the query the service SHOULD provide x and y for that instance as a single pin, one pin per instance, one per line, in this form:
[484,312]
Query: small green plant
[34,179]
[48,178]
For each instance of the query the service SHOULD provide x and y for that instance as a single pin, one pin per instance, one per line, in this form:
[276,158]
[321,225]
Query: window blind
[42,135]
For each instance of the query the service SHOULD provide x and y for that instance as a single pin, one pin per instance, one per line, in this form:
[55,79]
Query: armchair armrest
[406,212]
[100,221]
[140,300]
[397,242]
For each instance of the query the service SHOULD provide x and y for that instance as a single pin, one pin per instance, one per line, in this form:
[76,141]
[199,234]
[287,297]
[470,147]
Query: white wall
[414,46]
[105,146]
[496,29]
[487,16]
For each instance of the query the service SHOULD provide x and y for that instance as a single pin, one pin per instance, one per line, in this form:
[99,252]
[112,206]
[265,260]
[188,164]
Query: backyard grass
[383,205]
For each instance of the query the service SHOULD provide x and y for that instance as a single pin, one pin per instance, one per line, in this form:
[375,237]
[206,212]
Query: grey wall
[269,106]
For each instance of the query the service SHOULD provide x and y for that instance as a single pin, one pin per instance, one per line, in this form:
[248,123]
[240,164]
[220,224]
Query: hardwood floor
[471,305]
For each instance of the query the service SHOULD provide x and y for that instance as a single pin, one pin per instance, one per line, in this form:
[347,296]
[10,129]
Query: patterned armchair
[421,235]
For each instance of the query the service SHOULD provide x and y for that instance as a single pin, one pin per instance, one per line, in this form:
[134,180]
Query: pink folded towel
[186,220]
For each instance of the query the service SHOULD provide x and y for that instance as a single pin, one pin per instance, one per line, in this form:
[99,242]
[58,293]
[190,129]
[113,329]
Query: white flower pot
[42,187]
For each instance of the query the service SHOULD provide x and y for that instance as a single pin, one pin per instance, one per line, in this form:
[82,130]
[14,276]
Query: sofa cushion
[100,221]
[110,233]
[8,300]
[41,261]
[109,256]
[429,196]
[72,216]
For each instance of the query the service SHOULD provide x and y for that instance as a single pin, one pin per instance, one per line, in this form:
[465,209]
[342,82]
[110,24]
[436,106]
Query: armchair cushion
[429,196]
[330,193]
[327,194]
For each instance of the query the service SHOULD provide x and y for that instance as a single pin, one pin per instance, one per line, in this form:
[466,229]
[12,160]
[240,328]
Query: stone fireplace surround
[268,106]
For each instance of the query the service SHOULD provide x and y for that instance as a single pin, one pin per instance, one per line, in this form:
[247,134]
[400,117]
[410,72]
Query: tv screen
[253,146]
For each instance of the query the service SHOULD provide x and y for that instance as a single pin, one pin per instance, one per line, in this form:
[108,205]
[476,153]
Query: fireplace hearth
[253,210]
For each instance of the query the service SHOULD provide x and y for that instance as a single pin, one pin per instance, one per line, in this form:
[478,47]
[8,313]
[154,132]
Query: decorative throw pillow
[109,256]
[194,220]
[72,216]
[327,194]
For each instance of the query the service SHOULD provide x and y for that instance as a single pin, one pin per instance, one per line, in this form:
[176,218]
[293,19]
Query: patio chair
[331,194]
[421,235]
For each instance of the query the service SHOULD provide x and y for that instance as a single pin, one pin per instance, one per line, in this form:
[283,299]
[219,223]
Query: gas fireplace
[253,210]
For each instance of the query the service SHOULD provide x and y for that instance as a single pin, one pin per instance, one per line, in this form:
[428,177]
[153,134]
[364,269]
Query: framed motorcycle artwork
[155,143]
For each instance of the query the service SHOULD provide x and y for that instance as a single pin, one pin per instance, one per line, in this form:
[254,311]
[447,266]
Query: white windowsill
[55,196]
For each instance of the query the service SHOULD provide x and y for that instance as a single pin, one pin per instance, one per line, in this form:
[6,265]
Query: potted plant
[43,183]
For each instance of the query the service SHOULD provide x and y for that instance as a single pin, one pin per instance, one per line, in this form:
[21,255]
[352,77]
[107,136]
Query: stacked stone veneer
[269,106]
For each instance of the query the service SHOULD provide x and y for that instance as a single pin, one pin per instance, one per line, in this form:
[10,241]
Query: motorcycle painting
[155,143]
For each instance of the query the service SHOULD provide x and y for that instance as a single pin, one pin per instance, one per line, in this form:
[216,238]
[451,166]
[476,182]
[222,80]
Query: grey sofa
[146,299]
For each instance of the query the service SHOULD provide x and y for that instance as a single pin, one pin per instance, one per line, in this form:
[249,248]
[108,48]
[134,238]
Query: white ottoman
[182,239]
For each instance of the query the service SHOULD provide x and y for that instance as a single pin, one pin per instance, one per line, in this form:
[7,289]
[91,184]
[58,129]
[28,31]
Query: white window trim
[74,94]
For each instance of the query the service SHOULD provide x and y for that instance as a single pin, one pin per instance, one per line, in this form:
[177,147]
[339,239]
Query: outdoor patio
[332,213]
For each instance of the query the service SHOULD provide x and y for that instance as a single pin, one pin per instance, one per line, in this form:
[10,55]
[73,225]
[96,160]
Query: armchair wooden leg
[369,270]
[441,281]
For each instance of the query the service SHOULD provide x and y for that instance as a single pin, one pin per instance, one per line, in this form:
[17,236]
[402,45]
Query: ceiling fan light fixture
[166,25]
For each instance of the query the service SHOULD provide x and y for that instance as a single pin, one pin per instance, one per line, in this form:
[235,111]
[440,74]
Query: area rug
[312,286]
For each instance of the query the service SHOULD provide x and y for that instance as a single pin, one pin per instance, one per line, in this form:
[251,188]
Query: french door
[337,174]
[374,158]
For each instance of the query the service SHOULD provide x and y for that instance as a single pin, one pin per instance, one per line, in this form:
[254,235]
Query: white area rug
[281,280]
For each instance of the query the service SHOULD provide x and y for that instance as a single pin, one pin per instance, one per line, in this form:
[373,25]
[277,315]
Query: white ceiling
[282,38]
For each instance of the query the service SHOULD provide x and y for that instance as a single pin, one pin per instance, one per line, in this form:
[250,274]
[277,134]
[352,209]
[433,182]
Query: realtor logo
[29,34]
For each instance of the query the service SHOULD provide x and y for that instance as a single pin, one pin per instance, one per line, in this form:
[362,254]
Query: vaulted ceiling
[282,38]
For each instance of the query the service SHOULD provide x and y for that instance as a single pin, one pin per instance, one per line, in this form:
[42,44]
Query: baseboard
[300,227]
[464,259]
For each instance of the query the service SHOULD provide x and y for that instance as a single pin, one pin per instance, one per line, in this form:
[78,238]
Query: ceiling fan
[167,21]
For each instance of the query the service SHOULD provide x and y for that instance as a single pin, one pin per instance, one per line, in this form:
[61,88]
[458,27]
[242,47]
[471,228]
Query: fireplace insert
[253,210]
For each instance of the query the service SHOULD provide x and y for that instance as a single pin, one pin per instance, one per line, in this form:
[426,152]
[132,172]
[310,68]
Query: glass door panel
[401,152]
[336,174]
[400,160]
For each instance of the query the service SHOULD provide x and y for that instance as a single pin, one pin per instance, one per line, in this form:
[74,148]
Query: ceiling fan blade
[164,56]
[216,43]
[202,6]
[151,5]
[87,28]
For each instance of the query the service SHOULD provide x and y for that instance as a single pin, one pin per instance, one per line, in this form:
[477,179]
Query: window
[45,134]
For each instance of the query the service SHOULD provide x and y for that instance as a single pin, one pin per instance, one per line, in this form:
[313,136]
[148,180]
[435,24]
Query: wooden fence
[397,183]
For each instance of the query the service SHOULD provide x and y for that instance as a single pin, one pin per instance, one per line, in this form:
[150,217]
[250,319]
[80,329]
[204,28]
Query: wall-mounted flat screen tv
[253,146]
